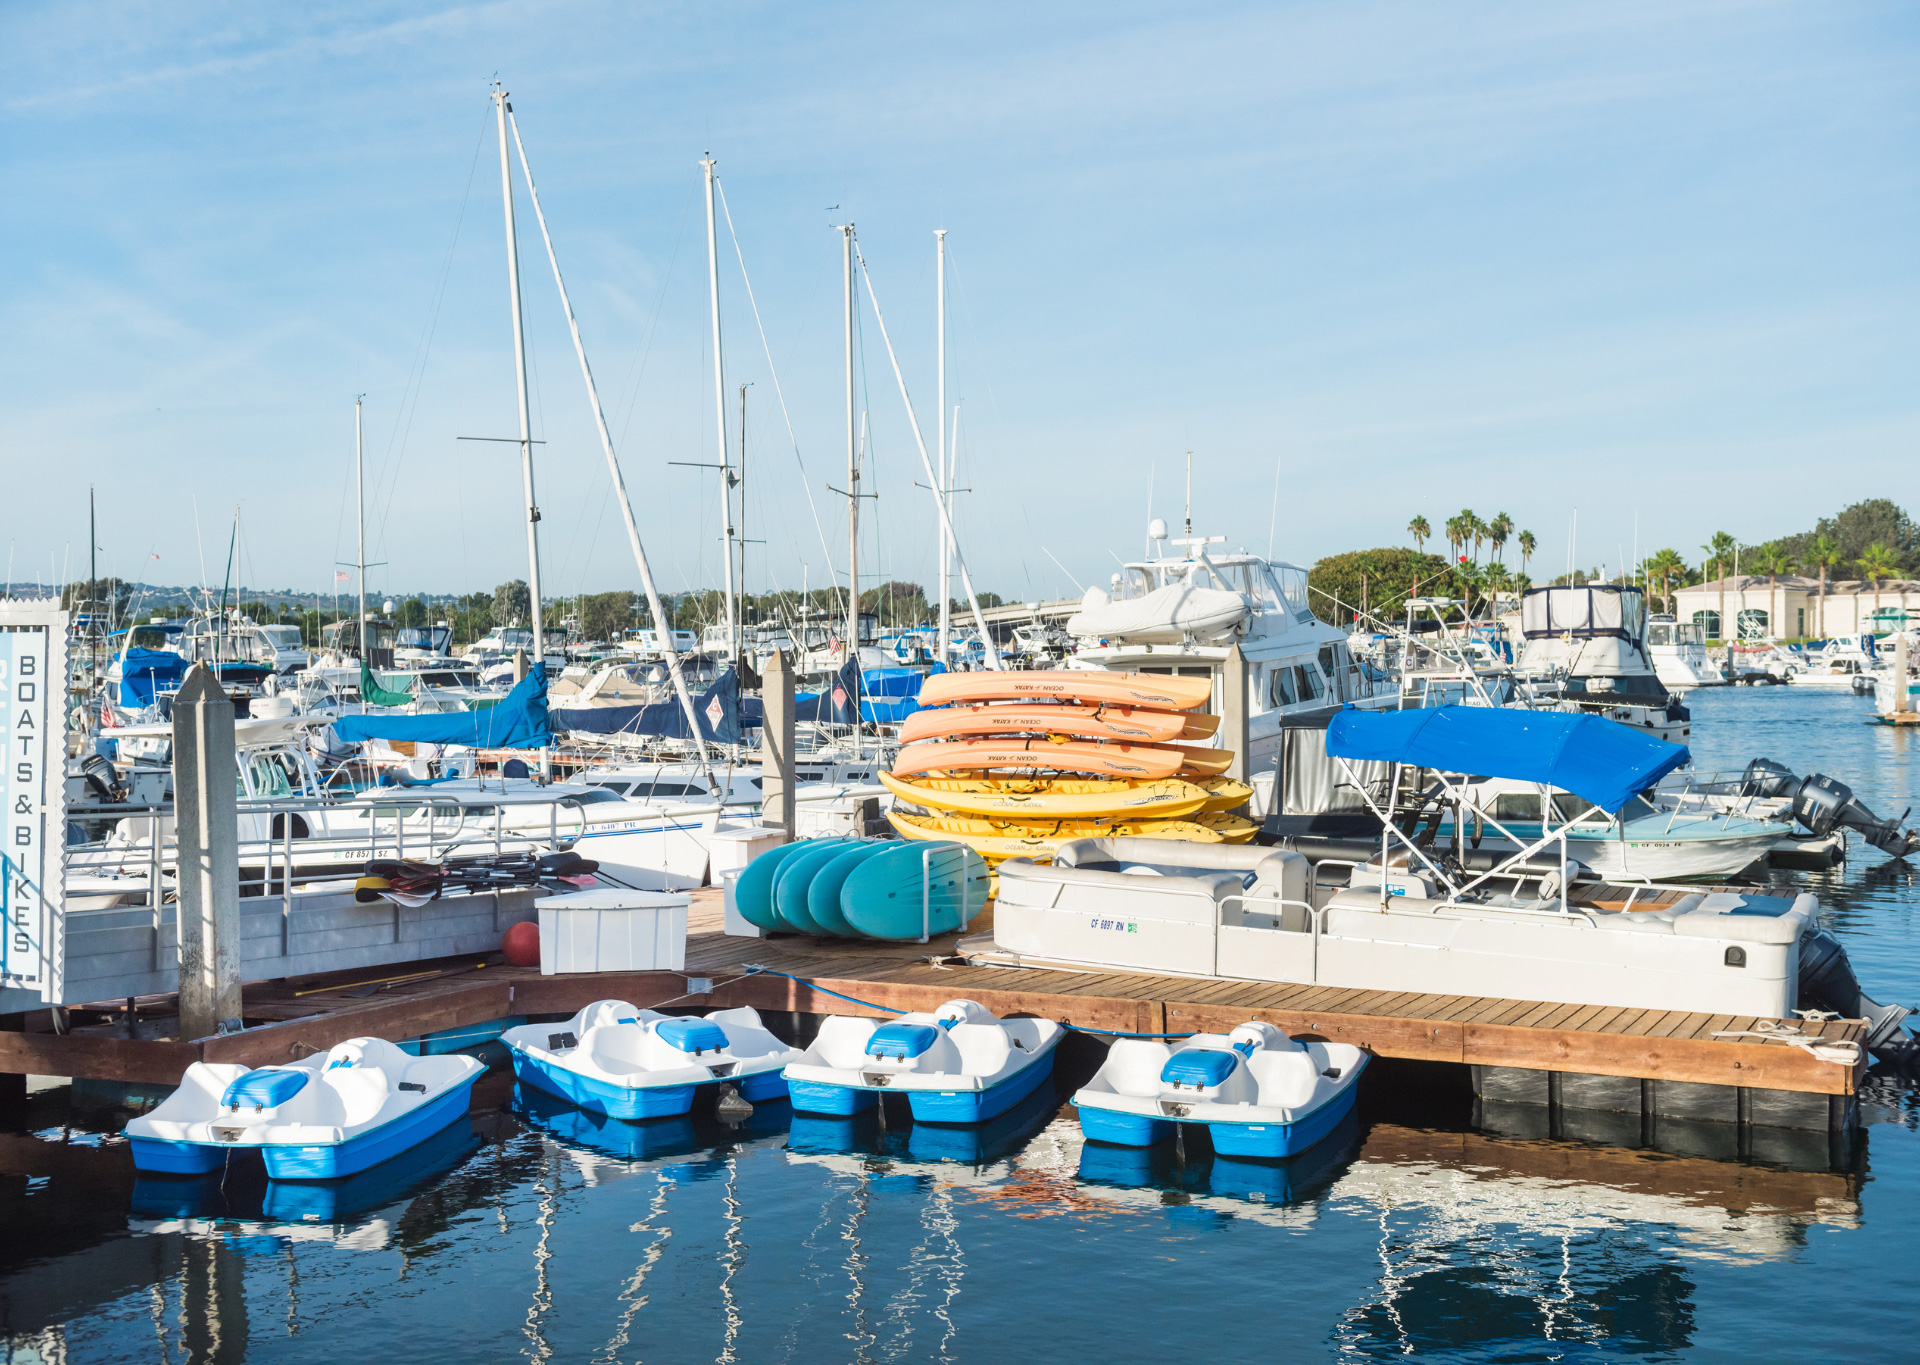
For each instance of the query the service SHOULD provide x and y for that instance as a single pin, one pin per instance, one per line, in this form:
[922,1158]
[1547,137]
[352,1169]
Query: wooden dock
[1674,1051]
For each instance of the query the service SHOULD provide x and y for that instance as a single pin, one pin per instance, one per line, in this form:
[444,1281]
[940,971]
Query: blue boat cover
[692,1035]
[1595,758]
[518,722]
[835,706]
[721,711]
[1203,1066]
[900,1040]
[265,1088]
[144,671]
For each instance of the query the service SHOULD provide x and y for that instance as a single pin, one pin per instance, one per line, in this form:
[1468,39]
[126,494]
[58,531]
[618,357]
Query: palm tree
[1662,567]
[1878,562]
[1773,561]
[1472,529]
[1826,555]
[1527,544]
[1722,548]
[1419,530]
[1499,531]
[1456,538]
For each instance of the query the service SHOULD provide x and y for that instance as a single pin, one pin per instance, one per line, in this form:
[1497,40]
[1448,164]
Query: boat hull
[636,1102]
[928,1105]
[312,1161]
[1264,1139]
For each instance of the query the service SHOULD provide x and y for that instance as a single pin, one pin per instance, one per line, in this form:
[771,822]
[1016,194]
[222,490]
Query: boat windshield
[282,637]
[1525,806]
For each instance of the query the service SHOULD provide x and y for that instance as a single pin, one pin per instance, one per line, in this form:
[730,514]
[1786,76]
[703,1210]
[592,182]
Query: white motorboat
[1678,650]
[1584,649]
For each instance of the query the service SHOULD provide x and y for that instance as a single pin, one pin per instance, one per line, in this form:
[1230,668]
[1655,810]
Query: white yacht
[1584,648]
[1183,615]
[1679,653]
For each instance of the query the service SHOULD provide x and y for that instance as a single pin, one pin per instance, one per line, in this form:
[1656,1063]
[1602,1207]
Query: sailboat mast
[853,465]
[501,108]
[741,579]
[360,518]
[941,465]
[720,415]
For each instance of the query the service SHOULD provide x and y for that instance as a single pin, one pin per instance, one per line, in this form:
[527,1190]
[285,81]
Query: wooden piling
[208,836]
[776,744]
[1234,711]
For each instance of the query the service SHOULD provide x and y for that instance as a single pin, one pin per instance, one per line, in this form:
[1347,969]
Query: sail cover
[373,694]
[720,710]
[518,722]
[1595,758]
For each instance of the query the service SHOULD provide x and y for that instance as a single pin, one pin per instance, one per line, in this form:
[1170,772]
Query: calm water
[1411,1233]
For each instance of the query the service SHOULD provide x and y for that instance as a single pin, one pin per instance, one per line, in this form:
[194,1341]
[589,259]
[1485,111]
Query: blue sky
[1365,259]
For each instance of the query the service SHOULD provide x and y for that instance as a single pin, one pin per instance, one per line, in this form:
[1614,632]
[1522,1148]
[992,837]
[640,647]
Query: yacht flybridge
[1185,615]
[1405,913]
[1584,648]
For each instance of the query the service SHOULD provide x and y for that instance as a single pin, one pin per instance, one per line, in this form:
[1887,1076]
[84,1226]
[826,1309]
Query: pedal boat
[329,1115]
[959,1064]
[1258,1092]
[616,1059]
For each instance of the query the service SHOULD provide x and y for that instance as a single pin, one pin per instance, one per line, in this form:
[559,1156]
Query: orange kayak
[1129,724]
[1146,761]
[1163,691]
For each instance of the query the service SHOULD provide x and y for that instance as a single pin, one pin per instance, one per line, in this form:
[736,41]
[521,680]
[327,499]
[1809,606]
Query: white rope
[1844,1052]
[778,392]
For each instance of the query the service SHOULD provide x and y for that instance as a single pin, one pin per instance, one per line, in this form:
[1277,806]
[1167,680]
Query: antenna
[1189,495]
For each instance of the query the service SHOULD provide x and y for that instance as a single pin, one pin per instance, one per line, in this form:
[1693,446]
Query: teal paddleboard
[883,896]
[753,888]
[823,894]
[791,881]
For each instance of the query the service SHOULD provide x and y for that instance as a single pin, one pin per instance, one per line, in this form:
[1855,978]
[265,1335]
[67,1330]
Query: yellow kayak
[1233,829]
[1223,793]
[1059,800]
[1196,828]
[996,843]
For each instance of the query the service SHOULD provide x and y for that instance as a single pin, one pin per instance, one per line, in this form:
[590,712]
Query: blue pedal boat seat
[266,1088]
[901,1041]
[692,1035]
[1198,1067]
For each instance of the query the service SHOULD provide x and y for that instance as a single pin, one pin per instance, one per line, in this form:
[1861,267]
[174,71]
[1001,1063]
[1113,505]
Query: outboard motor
[1827,982]
[1765,778]
[1823,803]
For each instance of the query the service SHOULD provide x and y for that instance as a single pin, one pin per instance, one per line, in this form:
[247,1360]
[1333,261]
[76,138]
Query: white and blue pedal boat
[329,1115]
[1258,1092]
[616,1059]
[959,1064]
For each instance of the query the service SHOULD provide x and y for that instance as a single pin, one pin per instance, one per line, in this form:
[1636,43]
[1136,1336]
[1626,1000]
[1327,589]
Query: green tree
[605,615]
[1499,532]
[1420,531]
[1527,545]
[1823,555]
[1723,549]
[1773,560]
[1662,568]
[1875,521]
[1878,563]
[412,612]
[512,604]
[1384,579]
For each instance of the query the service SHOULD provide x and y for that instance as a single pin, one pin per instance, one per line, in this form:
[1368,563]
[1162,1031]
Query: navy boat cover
[1595,758]
[145,671]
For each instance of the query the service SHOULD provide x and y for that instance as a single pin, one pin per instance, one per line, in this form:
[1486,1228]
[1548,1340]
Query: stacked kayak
[1258,1092]
[329,1115]
[615,1059]
[1015,764]
[864,888]
[959,1064]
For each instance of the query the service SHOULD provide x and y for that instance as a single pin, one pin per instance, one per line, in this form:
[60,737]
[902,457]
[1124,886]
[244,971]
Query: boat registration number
[1119,926]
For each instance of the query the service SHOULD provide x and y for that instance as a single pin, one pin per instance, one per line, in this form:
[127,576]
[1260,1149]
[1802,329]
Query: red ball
[520,945]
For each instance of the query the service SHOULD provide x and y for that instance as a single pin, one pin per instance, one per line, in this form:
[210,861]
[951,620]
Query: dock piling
[776,744]
[208,857]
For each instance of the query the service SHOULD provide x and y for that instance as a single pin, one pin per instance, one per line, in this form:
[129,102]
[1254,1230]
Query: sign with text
[32,835]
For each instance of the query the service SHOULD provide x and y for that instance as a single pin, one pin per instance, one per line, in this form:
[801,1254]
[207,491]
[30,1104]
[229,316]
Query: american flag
[341,575]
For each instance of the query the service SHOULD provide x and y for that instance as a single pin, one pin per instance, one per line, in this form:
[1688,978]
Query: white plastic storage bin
[733,922]
[613,930]
[732,846]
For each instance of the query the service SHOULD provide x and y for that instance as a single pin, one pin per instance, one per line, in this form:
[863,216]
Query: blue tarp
[518,722]
[1595,758]
[719,708]
[835,706]
[145,671]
